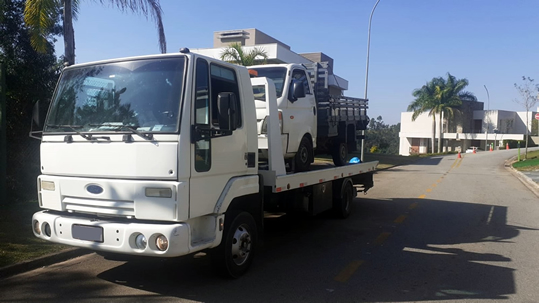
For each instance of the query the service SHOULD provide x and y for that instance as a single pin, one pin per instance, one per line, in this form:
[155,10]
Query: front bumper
[118,237]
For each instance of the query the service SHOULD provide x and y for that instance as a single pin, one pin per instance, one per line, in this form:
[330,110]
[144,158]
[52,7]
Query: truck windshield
[143,95]
[277,74]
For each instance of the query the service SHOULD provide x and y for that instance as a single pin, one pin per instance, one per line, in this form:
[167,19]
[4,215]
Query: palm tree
[40,16]
[234,54]
[442,97]
[425,101]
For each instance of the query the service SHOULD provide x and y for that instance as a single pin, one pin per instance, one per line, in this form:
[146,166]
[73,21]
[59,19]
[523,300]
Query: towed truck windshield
[277,74]
[135,96]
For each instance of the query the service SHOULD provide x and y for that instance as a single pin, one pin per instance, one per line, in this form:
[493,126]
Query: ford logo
[94,189]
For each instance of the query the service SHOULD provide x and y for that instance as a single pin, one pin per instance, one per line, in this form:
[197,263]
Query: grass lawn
[17,241]
[532,163]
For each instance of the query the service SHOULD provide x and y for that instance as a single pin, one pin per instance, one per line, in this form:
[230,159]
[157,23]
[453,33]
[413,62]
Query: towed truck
[157,156]
[312,121]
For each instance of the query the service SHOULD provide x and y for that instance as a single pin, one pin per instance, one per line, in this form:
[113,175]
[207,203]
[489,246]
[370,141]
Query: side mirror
[296,91]
[36,124]
[228,106]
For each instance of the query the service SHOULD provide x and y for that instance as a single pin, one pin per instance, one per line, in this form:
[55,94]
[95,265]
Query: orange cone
[474,151]
[507,145]
[459,156]
[491,148]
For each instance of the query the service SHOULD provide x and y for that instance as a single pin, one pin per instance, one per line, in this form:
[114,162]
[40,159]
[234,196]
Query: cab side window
[299,75]
[223,79]
[202,116]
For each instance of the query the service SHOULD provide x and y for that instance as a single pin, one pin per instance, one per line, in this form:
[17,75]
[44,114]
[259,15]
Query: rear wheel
[342,200]
[304,155]
[339,153]
[233,257]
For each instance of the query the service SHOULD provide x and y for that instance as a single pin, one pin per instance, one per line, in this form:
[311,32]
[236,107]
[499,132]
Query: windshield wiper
[73,128]
[132,128]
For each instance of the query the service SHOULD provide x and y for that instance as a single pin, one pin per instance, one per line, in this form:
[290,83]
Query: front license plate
[87,233]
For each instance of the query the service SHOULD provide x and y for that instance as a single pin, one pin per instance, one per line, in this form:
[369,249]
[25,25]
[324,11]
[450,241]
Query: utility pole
[367,71]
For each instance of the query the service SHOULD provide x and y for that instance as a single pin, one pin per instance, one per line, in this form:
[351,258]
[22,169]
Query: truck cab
[297,112]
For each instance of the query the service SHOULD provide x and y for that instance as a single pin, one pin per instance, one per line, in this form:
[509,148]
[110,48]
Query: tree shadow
[437,255]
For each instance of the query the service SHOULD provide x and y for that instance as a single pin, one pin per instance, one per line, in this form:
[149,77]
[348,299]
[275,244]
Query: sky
[491,43]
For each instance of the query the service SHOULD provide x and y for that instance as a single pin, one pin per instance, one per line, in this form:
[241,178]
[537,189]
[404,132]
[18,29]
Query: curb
[46,260]
[527,181]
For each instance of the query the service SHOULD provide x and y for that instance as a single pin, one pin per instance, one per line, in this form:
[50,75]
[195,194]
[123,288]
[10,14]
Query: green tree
[529,91]
[29,76]
[234,53]
[382,138]
[443,97]
[42,15]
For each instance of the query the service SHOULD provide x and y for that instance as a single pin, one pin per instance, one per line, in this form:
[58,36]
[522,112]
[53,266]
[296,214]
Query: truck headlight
[161,242]
[37,227]
[48,185]
[264,128]
[158,192]
[140,241]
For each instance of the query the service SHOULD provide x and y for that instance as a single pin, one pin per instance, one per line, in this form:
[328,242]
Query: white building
[472,127]
[277,52]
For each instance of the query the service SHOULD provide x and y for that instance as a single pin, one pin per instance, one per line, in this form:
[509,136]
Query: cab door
[216,156]
[301,110]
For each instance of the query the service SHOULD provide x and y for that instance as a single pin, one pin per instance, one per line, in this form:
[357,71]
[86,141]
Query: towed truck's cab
[142,155]
[297,111]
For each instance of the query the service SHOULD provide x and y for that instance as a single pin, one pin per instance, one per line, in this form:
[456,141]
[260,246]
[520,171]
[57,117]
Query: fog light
[158,192]
[37,229]
[47,185]
[140,241]
[47,229]
[161,242]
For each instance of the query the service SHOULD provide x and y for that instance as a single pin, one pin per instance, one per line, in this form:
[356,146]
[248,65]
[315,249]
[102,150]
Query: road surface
[444,229]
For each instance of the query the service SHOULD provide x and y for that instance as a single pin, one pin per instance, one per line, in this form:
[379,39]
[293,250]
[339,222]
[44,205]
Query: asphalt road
[443,229]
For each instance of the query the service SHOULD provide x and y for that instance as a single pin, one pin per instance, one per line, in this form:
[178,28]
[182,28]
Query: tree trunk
[527,134]
[433,132]
[440,131]
[3,141]
[69,34]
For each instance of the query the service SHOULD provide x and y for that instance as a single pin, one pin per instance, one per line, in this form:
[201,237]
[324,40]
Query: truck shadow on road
[441,250]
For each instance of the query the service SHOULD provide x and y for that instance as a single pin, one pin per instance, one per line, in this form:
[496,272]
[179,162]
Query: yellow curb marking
[429,190]
[348,271]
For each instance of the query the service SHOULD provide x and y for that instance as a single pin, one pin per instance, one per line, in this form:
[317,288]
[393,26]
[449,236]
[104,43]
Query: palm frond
[39,16]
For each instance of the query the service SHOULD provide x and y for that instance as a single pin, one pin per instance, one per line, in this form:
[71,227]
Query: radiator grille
[104,207]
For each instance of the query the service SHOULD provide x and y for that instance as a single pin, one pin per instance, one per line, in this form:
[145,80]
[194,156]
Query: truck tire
[339,153]
[233,257]
[304,155]
[343,198]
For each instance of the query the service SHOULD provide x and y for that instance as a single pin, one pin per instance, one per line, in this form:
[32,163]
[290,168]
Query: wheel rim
[304,155]
[241,245]
[343,152]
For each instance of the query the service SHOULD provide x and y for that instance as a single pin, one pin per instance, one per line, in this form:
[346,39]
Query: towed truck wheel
[339,153]
[304,155]
[234,255]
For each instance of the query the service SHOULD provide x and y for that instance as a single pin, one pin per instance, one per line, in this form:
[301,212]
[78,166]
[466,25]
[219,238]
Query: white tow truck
[157,156]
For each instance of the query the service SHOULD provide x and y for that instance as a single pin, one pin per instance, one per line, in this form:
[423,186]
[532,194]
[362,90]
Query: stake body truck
[312,120]
[157,156]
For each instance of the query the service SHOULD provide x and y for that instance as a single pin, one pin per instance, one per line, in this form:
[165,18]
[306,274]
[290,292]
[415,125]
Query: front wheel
[232,258]
[304,155]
